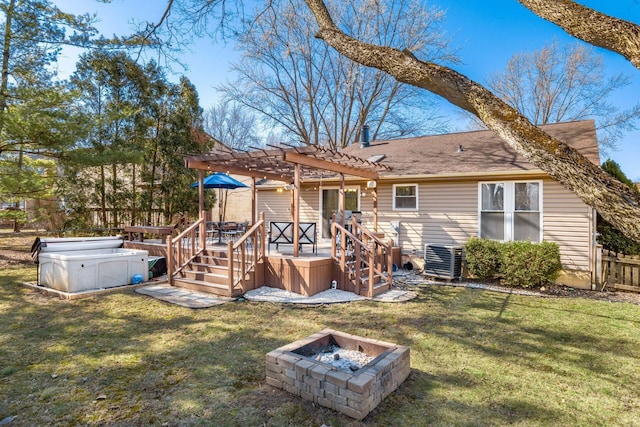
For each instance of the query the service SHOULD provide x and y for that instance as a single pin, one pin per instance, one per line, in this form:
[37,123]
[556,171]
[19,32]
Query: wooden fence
[621,271]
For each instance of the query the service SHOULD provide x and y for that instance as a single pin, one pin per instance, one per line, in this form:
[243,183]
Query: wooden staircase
[226,271]
[209,272]
[363,259]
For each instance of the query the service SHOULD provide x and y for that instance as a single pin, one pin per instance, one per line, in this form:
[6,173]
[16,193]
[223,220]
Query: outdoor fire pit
[354,382]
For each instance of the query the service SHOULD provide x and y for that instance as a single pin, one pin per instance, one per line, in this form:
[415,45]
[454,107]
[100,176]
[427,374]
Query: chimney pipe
[364,138]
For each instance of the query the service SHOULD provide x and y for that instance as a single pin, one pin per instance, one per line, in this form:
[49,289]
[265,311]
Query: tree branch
[594,27]
[614,200]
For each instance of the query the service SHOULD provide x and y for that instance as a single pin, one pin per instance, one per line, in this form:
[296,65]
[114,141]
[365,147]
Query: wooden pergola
[292,165]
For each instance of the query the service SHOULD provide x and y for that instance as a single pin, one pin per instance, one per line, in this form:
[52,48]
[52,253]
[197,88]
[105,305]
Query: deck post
[203,229]
[390,263]
[230,265]
[333,237]
[372,273]
[341,200]
[254,210]
[170,260]
[200,190]
[375,207]
[263,233]
[296,211]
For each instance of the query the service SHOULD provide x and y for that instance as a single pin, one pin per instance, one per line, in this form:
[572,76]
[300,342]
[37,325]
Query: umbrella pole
[219,216]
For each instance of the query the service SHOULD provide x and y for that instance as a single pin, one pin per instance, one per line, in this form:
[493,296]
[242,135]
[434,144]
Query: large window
[510,210]
[405,197]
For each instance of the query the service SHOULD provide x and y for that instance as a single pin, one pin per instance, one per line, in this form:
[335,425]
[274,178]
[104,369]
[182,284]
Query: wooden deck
[305,275]
[154,247]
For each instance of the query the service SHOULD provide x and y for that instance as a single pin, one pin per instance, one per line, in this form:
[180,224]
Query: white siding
[277,205]
[566,222]
[448,214]
[309,205]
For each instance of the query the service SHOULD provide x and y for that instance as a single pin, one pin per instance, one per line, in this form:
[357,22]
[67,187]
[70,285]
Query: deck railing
[244,255]
[362,258]
[183,248]
[621,271]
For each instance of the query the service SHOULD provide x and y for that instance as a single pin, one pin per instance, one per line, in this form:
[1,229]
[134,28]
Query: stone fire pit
[355,391]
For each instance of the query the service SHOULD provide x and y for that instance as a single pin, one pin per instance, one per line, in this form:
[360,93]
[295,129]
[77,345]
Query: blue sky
[487,33]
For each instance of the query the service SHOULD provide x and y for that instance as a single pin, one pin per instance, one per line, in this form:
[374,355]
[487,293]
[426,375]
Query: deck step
[201,286]
[211,259]
[364,278]
[208,277]
[208,268]
[215,260]
[378,288]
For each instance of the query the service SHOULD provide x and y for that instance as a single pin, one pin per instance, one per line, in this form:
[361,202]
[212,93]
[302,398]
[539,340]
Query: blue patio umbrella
[220,181]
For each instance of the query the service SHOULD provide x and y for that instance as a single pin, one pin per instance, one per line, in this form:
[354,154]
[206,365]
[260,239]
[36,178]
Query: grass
[477,358]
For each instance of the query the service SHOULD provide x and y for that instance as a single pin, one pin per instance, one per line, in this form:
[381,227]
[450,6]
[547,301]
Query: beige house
[445,189]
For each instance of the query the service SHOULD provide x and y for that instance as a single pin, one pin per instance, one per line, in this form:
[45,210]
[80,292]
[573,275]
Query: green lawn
[477,358]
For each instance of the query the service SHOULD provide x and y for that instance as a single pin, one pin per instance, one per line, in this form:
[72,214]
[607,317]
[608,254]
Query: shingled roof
[482,151]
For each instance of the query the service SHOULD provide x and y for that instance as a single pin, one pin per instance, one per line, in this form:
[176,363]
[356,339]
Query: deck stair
[223,270]
[208,272]
[364,259]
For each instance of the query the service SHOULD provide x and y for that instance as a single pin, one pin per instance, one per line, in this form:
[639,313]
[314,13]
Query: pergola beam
[220,167]
[315,163]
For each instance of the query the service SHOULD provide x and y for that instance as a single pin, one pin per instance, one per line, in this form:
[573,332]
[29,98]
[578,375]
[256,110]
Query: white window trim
[509,206]
[393,197]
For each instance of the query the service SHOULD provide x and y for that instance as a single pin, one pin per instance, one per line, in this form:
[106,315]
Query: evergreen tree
[179,137]
[111,87]
[36,121]
[609,236]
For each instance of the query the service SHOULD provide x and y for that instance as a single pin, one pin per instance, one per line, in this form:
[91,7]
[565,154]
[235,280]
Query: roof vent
[364,139]
[460,149]
[376,158]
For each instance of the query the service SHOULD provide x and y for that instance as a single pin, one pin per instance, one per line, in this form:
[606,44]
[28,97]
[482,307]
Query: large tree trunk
[103,196]
[616,202]
[594,27]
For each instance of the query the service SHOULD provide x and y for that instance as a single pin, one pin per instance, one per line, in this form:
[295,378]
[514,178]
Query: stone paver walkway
[194,299]
[330,296]
[395,295]
[183,297]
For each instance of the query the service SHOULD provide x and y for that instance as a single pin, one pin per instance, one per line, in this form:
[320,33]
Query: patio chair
[211,230]
[282,233]
[308,235]
[230,230]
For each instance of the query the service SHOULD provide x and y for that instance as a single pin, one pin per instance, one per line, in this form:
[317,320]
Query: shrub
[522,264]
[526,264]
[483,257]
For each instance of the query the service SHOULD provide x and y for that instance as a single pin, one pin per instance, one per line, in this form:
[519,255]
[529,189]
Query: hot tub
[89,269]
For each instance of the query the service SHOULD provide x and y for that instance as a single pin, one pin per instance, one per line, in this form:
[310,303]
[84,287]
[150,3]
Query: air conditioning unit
[442,261]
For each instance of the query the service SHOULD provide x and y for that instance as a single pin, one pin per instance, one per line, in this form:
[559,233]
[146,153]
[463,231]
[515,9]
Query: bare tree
[614,200]
[567,83]
[596,28]
[232,124]
[317,96]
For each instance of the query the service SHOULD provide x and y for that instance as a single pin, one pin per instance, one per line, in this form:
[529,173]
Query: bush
[522,264]
[483,257]
[526,264]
